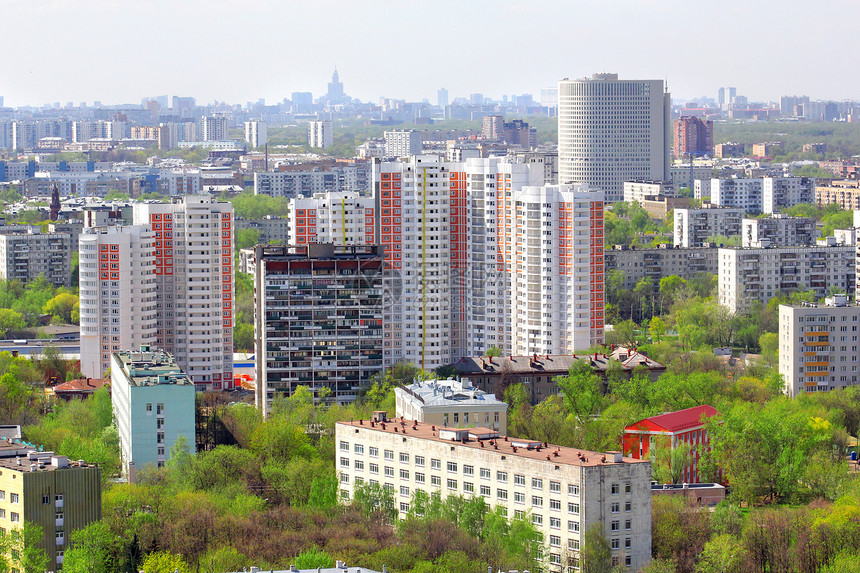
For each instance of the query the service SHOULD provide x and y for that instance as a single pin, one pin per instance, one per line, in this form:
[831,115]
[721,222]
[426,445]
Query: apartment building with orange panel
[193,245]
[343,218]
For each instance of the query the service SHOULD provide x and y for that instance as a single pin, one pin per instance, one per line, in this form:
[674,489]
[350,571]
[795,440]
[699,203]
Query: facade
[538,373]
[641,439]
[307,182]
[256,133]
[49,490]
[320,134]
[451,404]
[271,227]
[818,345]
[723,150]
[153,404]
[846,193]
[214,128]
[341,217]
[402,143]
[562,490]
[638,191]
[767,149]
[693,227]
[746,275]
[556,268]
[318,320]
[611,131]
[779,193]
[193,241]
[693,136]
[779,231]
[660,207]
[118,298]
[25,256]
[637,264]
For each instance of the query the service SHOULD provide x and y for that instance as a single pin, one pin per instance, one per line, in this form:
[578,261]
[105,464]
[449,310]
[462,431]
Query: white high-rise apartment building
[193,244]
[402,143]
[556,248]
[117,293]
[256,133]
[611,131]
[818,345]
[342,218]
[213,128]
[320,134]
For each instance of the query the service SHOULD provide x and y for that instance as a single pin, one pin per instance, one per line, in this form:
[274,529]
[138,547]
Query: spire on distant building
[55,203]
[335,89]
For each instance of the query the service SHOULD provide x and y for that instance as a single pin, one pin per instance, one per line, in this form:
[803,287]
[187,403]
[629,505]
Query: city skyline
[99,63]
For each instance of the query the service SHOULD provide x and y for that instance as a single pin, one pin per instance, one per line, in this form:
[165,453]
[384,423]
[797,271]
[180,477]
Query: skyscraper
[693,136]
[193,246]
[256,133]
[335,89]
[442,97]
[320,134]
[611,131]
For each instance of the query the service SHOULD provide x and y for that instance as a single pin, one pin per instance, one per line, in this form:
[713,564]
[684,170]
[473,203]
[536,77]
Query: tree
[164,562]
[10,320]
[494,352]
[313,558]
[582,390]
[116,195]
[247,238]
[64,307]
[596,554]
[657,328]
[94,549]
[769,344]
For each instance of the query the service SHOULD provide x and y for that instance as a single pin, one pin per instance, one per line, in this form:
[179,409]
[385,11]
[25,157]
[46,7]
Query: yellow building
[47,489]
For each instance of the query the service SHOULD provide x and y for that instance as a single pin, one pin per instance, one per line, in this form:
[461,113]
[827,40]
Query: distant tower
[55,203]
[335,89]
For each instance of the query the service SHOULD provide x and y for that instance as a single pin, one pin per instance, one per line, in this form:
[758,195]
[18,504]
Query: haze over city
[237,51]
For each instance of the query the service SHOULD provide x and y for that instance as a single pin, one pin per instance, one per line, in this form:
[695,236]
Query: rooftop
[18,455]
[504,446]
[680,420]
[445,392]
[81,385]
[150,367]
[553,363]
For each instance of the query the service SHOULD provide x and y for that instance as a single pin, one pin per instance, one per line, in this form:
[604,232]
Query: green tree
[10,320]
[313,558]
[164,562]
[94,549]
[64,307]
[582,390]
[247,238]
[494,351]
[657,328]
[595,556]
[116,195]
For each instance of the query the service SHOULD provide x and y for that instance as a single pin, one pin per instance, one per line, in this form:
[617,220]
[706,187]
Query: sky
[120,51]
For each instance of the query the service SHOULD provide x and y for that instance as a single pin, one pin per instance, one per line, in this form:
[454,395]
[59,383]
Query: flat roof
[502,445]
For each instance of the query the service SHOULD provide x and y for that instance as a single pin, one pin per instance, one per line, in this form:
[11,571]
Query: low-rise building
[451,403]
[642,439]
[78,389]
[693,227]
[656,263]
[153,404]
[747,275]
[48,490]
[637,191]
[660,207]
[563,491]
[778,230]
[818,347]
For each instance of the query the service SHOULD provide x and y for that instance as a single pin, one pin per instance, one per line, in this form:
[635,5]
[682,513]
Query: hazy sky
[118,51]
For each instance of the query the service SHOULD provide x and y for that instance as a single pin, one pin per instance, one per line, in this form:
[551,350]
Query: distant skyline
[237,51]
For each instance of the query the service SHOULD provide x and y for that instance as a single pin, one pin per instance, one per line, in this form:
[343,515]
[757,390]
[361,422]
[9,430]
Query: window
[573,508]
[46,499]
[537,519]
[419,478]
[485,473]
[436,481]
[344,446]
[502,477]
[614,526]
[554,541]
[615,543]
[485,490]
[452,484]
[502,494]
[15,517]
[13,498]
[452,467]
[344,478]
[615,489]
[628,560]
[404,491]
[573,526]
[555,504]
[149,409]
[555,487]
[435,464]
[555,558]
[389,455]
[359,448]
[374,452]
[404,474]
[537,501]
[2,495]
[519,479]
[3,513]
[615,507]
[389,472]
[468,487]
[628,524]
[374,468]
[359,480]
[628,506]
[518,513]
[344,462]
[359,465]
[344,494]
[573,544]
[537,483]
[519,497]
[627,543]
[404,507]
[628,488]
[555,523]
[468,470]
[404,458]
[419,461]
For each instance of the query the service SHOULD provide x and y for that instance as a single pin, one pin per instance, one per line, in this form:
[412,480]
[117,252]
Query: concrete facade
[693,227]
[778,231]
[25,256]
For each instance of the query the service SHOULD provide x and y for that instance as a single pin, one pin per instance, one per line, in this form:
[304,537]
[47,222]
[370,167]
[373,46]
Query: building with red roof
[79,389]
[673,428]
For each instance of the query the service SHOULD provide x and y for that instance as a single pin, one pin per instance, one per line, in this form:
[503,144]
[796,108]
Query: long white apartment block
[778,230]
[818,345]
[557,269]
[342,218]
[637,191]
[692,227]
[563,491]
[117,293]
[611,131]
[762,194]
[193,247]
[747,275]
[26,256]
